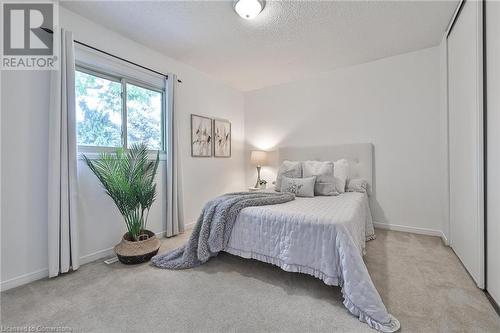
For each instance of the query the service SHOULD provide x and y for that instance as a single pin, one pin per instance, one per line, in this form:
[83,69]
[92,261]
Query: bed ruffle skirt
[360,296]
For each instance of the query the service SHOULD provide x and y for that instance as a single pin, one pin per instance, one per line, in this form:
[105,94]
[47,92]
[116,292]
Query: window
[98,111]
[114,112]
[144,116]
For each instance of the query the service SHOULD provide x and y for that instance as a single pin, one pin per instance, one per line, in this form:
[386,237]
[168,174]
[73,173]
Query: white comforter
[321,236]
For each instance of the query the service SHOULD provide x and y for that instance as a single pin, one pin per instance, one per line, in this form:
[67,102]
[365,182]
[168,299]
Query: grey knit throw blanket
[213,228]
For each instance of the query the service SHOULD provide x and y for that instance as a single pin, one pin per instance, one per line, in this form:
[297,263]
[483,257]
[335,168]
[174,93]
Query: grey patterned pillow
[325,180]
[357,185]
[291,169]
[301,187]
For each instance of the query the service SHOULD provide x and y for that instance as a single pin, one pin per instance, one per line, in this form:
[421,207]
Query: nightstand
[255,189]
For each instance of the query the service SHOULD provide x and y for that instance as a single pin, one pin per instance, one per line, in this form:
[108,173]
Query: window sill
[95,156]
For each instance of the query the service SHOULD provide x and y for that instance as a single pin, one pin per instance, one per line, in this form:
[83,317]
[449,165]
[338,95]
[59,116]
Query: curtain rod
[114,56]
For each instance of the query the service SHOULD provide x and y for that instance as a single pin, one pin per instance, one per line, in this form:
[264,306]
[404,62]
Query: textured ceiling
[287,41]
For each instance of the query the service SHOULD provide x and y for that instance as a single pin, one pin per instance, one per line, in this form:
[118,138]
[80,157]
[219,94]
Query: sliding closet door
[465,112]
[493,153]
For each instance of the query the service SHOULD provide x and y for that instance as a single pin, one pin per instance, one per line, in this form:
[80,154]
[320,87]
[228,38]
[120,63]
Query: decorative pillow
[357,185]
[290,169]
[301,187]
[323,171]
[341,173]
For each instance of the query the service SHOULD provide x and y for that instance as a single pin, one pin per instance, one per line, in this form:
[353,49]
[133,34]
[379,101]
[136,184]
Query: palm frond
[129,179]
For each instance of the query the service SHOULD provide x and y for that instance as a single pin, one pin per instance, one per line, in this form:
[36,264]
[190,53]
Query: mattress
[301,235]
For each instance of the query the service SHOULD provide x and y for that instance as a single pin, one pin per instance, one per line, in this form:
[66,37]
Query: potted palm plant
[128,178]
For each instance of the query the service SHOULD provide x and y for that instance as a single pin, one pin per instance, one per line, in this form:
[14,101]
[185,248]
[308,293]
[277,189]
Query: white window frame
[124,80]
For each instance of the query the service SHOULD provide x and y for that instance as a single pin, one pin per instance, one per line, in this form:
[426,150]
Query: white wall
[25,101]
[493,148]
[393,103]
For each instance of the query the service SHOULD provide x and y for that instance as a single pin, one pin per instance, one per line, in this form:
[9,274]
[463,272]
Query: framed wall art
[222,138]
[201,136]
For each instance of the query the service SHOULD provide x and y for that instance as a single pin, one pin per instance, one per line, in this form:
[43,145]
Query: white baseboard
[24,279]
[445,239]
[96,256]
[189,226]
[413,230]
[43,273]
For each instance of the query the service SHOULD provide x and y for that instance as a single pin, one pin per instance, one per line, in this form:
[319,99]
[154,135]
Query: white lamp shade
[258,157]
[248,9]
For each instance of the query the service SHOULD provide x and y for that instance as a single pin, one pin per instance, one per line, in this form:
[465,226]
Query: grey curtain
[175,216]
[62,181]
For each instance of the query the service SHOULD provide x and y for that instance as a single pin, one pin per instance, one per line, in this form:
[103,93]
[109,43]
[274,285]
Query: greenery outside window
[113,111]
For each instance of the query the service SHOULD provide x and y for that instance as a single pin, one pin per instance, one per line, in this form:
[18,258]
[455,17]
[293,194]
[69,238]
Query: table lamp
[258,158]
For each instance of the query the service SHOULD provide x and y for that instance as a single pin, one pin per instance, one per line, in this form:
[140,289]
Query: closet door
[465,115]
[493,153]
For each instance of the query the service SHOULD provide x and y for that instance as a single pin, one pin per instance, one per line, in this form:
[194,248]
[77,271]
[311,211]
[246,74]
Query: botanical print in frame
[201,136]
[222,138]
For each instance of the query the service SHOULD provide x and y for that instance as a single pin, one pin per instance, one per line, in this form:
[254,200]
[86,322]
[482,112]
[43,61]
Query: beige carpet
[421,281]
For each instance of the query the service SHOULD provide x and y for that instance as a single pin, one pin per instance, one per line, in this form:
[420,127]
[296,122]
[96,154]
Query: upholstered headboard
[359,155]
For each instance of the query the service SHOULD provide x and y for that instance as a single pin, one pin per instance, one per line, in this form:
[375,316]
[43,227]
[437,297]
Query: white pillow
[325,180]
[341,173]
[291,169]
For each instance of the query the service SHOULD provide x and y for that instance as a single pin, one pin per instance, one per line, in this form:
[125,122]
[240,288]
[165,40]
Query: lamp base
[257,184]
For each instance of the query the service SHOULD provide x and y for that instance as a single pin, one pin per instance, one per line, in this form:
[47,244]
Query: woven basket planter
[130,252]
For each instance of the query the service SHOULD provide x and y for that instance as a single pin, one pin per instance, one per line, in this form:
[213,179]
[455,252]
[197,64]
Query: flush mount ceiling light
[248,9]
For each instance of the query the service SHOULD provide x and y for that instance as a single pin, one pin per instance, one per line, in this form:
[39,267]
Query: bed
[323,236]
[296,235]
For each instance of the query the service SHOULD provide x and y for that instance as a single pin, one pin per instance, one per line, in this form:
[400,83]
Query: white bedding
[322,236]
[299,236]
